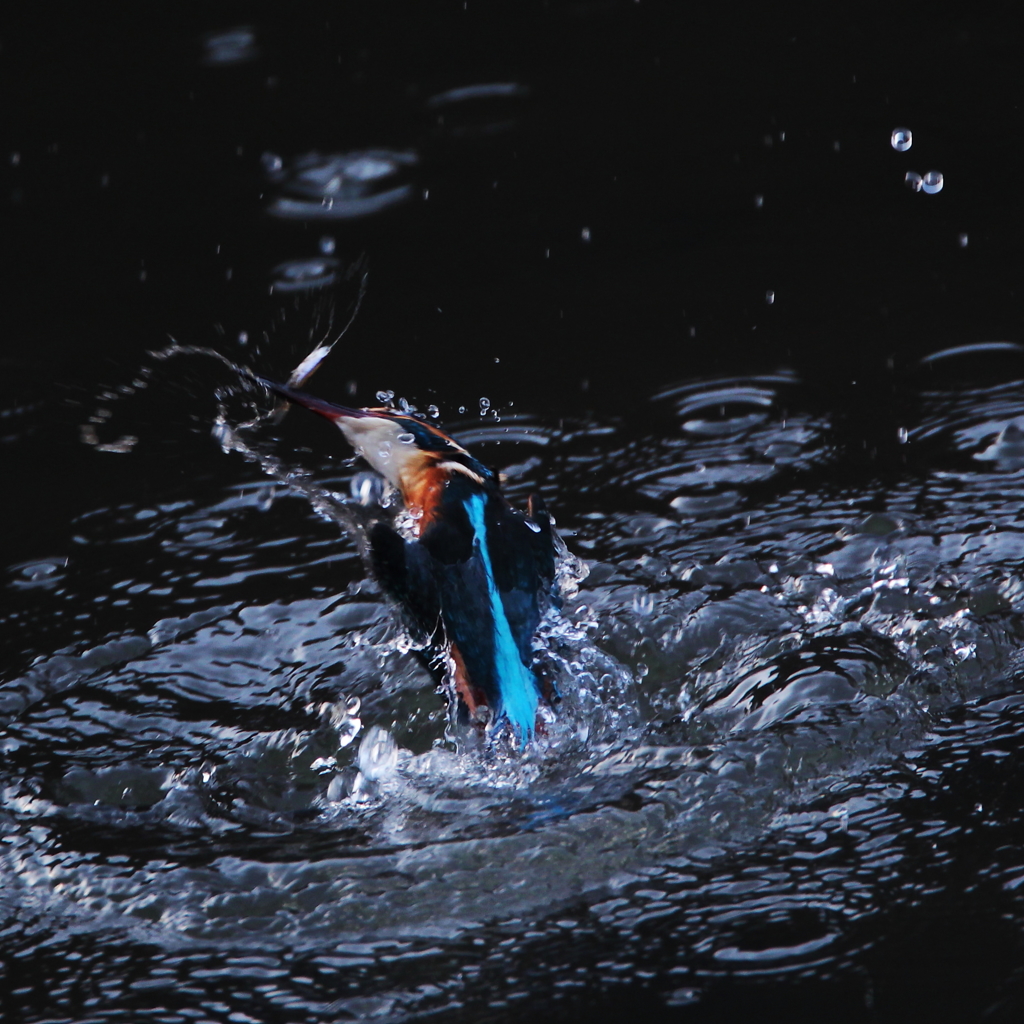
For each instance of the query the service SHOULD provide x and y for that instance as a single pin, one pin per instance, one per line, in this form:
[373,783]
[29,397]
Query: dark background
[652,125]
[131,184]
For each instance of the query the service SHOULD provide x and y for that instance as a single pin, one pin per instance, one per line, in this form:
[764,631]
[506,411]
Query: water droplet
[902,435]
[769,297]
[378,754]
[243,337]
[367,488]
[485,404]
[913,180]
[585,234]
[462,409]
[962,239]
[433,412]
[407,438]
[327,245]
[932,182]
[758,201]
[385,397]
[835,147]
[902,139]
[272,163]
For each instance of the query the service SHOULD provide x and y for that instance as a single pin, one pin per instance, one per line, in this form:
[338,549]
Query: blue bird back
[516,683]
[479,577]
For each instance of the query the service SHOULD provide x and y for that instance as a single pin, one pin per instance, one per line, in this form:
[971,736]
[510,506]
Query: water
[782,779]
[253,801]
[902,139]
[342,186]
[234,46]
[300,275]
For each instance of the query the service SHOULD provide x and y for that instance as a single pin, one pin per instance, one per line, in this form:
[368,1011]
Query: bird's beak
[332,412]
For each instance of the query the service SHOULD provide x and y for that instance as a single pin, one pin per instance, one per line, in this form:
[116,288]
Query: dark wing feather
[522,555]
[469,623]
[404,569]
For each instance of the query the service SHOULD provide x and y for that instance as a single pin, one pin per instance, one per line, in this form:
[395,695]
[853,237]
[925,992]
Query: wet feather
[476,575]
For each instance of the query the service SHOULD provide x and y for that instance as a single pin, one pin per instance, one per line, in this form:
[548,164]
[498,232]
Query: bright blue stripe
[515,680]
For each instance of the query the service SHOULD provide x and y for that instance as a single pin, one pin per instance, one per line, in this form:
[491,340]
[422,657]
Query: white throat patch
[389,449]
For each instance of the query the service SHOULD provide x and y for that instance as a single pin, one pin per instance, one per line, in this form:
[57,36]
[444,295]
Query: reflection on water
[305,275]
[341,186]
[478,111]
[232,46]
[777,692]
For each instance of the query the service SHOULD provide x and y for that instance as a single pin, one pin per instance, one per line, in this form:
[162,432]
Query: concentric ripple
[786,704]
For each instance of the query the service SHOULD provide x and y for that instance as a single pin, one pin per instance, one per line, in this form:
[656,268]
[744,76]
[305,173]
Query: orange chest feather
[423,490]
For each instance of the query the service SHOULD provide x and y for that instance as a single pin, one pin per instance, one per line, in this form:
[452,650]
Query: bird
[473,574]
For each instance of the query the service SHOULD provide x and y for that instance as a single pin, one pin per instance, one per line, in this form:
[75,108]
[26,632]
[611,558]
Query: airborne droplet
[902,139]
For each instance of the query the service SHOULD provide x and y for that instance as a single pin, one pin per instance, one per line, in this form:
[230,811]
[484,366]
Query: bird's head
[408,452]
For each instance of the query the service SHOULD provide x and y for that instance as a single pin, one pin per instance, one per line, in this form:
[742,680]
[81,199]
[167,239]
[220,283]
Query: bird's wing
[522,556]
[488,596]
[468,615]
[404,569]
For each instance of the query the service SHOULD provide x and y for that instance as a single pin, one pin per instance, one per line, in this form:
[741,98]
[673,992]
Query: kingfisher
[474,574]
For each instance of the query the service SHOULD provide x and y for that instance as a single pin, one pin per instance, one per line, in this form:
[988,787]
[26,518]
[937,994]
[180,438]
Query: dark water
[666,270]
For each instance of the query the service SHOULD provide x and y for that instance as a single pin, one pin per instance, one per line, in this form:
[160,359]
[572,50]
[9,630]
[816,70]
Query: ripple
[305,275]
[787,708]
[44,572]
[975,349]
[230,46]
[486,91]
[341,186]
[478,111]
